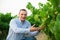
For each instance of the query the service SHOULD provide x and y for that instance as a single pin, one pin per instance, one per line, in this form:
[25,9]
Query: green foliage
[46,15]
[35,16]
[4,24]
[57,28]
[56,4]
[4,21]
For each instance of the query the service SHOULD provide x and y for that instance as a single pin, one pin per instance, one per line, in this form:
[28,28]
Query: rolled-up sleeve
[14,27]
[33,33]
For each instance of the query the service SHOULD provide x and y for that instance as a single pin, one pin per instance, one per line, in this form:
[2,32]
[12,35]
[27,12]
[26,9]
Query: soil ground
[42,36]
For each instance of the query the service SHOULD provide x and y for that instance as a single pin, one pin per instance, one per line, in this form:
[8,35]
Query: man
[21,29]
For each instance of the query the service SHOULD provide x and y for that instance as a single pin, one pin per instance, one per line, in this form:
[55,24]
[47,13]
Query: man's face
[22,15]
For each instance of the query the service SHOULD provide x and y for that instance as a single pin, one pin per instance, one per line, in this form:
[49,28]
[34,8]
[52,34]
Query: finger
[33,25]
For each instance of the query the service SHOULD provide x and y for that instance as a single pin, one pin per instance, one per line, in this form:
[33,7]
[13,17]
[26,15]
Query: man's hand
[33,28]
[36,29]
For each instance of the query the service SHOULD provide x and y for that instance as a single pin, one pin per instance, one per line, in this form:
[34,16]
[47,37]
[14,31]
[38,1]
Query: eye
[25,14]
[21,14]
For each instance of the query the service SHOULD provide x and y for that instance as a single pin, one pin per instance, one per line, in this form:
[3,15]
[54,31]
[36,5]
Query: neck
[22,20]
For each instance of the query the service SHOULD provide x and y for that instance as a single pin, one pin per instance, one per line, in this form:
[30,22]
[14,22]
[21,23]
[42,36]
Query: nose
[24,15]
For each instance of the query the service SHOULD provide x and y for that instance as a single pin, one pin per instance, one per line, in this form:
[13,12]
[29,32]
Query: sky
[14,6]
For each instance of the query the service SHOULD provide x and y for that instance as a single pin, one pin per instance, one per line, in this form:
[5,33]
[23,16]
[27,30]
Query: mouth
[24,18]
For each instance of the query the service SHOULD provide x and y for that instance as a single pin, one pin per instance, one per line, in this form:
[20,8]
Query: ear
[18,14]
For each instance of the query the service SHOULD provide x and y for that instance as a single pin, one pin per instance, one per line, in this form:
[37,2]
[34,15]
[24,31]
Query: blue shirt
[18,30]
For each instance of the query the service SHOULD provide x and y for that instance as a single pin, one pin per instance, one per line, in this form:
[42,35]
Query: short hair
[23,10]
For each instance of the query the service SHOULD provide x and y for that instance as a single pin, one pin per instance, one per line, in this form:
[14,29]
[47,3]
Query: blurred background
[40,12]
